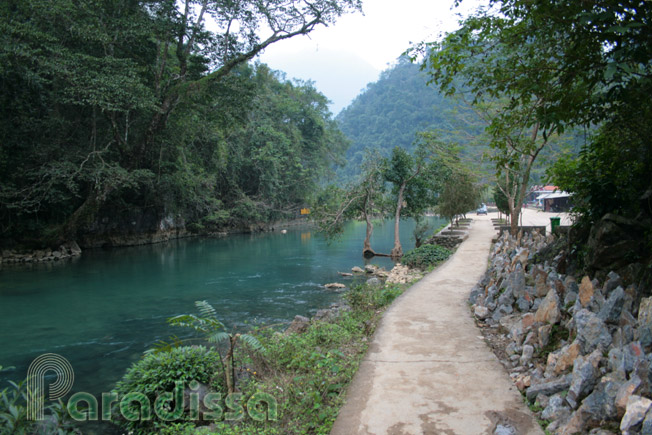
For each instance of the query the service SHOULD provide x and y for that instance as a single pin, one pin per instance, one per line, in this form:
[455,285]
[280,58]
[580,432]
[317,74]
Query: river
[104,309]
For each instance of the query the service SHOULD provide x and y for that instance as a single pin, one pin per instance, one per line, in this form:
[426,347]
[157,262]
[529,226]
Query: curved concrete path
[428,369]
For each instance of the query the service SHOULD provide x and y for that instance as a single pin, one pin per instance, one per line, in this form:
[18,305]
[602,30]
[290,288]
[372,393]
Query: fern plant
[208,324]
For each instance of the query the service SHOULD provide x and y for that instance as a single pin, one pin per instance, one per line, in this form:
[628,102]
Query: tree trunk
[367,252]
[397,251]
[230,366]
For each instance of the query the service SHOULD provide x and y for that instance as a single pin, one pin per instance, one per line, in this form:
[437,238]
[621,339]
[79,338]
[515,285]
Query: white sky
[343,58]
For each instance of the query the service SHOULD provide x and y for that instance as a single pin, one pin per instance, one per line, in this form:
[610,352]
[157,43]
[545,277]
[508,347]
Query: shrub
[425,256]
[157,373]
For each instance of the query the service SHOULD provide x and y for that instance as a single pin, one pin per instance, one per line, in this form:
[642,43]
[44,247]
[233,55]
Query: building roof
[553,195]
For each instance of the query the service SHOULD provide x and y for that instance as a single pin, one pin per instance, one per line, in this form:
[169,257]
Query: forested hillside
[389,113]
[401,104]
[131,116]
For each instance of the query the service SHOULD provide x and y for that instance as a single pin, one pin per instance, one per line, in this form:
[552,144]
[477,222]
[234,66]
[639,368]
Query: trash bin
[554,223]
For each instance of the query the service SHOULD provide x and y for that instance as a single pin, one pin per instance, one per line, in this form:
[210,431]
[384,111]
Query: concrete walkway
[428,370]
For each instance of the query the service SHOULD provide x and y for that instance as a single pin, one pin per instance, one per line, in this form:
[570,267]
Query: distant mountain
[391,111]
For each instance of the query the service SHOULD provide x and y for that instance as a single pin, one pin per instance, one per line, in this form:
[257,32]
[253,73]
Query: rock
[505,429]
[502,311]
[506,298]
[334,285]
[515,282]
[382,273]
[624,392]
[345,274]
[572,293]
[613,281]
[527,320]
[513,348]
[596,408]
[481,312]
[298,326]
[556,409]
[521,256]
[370,268]
[548,311]
[540,286]
[645,323]
[523,381]
[586,291]
[646,429]
[57,254]
[637,407]
[357,269]
[523,304]
[613,241]
[542,400]
[591,331]
[374,282]
[326,315]
[566,357]
[548,388]
[585,376]
[613,306]
[544,335]
[476,292]
[401,274]
[623,360]
[512,324]
[526,357]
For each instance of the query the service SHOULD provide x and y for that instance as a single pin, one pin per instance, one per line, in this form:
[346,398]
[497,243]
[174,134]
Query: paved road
[532,216]
[428,370]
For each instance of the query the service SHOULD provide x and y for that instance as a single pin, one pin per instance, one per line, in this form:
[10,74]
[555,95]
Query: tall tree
[362,199]
[411,176]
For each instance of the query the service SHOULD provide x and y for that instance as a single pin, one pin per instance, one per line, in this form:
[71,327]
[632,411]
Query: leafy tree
[459,195]
[360,200]
[411,177]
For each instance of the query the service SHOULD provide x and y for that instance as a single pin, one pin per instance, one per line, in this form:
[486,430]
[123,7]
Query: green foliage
[543,67]
[362,199]
[157,373]
[390,112]
[13,414]
[459,194]
[425,256]
[612,172]
[214,331]
[366,298]
[136,111]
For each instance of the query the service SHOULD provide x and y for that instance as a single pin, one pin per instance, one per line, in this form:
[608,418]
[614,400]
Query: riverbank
[306,369]
[72,249]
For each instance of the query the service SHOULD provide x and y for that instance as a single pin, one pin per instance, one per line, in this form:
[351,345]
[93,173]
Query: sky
[343,58]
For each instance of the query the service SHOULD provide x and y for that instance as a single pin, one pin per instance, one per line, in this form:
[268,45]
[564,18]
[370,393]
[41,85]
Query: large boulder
[585,376]
[645,323]
[613,241]
[591,331]
[549,311]
[299,325]
[637,408]
[613,306]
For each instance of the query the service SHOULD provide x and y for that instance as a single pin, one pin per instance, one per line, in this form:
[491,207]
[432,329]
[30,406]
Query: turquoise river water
[104,309]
